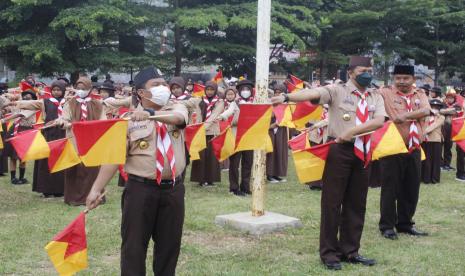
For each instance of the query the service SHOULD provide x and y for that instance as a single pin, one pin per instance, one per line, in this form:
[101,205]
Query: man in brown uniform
[407,108]
[153,198]
[345,177]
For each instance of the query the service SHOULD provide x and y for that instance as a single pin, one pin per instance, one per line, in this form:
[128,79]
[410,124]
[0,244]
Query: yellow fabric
[308,166]
[314,116]
[198,143]
[69,266]
[67,159]
[253,138]
[228,147]
[39,149]
[110,148]
[460,135]
[287,118]
[391,144]
[423,155]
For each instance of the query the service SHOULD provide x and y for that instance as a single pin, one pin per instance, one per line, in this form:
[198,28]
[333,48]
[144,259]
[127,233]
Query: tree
[50,36]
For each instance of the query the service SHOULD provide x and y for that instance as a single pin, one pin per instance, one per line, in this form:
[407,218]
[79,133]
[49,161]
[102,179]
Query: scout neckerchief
[210,105]
[16,126]
[413,137]
[58,104]
[164,149]
[182,97]
[83,103]
[362,143]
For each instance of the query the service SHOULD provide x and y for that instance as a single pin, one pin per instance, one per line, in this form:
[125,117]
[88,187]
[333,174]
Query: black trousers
[431,166]
[400,190]
[150,212]
[245,158]
[447,144]
[460,161]
[343,203]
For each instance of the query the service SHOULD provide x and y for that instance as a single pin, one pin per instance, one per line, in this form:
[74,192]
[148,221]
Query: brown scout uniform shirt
[343,106]
[396,105]
[211,127]
[436,129]
[142,162]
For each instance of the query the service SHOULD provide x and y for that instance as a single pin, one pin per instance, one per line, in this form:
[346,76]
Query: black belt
[165,184]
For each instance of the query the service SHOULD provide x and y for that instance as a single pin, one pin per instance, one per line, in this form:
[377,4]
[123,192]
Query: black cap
[244,83]
[64,79]
[404,70]
[436,102]
[145,75]
[106,85]
[426,87]
[30,92]
[437,90]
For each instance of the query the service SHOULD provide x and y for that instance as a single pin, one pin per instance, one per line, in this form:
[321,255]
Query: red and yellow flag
[252,127]
[304,112]
[386,141]
[458,129]
[198,90]
[68,249]
[196,140]
[24,85]
[30,145]
[62,155]
[294,84]
[283,114]
[310,163]
[218,77]
[300,142]
[101,142]
[223,145]
[39,117]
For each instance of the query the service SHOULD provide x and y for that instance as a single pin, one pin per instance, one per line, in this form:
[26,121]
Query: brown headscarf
[86,82]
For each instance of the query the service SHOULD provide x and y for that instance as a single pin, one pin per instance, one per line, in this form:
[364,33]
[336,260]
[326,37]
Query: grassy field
[29,221]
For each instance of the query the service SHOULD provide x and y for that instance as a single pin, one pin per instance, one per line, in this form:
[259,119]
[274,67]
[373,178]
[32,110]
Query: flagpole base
[269,222]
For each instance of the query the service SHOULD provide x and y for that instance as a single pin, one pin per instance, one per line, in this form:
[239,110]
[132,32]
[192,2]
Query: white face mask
[82,93]
[246,94]
[160,95]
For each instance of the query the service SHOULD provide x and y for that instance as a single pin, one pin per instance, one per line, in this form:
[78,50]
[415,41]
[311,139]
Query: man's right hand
[93,200]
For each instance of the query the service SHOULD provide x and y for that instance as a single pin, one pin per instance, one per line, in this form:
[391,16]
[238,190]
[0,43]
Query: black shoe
[203,184]
[23,181]
[333,265]
[314,188]
[271,179]
[210,184]
[237,193]
[360,260]
[460,178]
[246,192]
[2,174]
[412,231]
[451,168]
[389,234]
[15,181]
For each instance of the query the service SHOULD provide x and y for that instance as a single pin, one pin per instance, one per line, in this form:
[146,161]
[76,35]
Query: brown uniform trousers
[150,211]
[245,158]
[343,203]
[400,190]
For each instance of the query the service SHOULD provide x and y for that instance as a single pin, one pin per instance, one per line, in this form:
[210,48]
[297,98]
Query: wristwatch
[150,111]
[286,98]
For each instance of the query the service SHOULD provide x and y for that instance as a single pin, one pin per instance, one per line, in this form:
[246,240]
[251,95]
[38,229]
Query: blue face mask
[364,79]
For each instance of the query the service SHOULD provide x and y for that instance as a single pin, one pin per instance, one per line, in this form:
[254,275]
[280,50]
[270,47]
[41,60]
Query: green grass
[28,222]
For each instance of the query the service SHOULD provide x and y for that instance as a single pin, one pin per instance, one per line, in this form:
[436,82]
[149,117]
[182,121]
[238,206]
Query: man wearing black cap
[153,197]
[435,93]
[407,108]
[345,177]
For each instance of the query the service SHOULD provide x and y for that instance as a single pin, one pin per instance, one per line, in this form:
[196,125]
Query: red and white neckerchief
[362,143]
[180,98]
[58,104]
[16,126]
[324,116]
[83,103]
[413,136]
[210,105]
[164,150]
